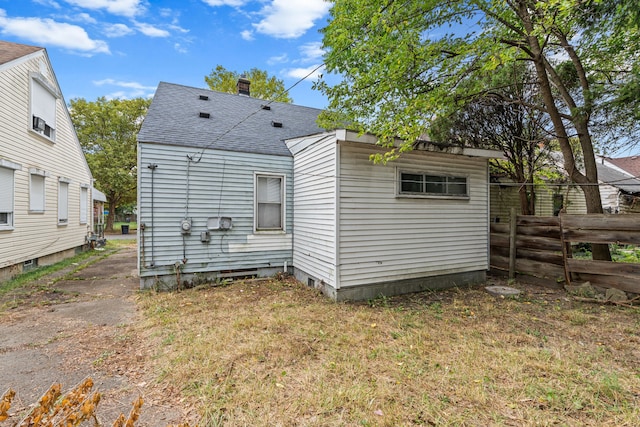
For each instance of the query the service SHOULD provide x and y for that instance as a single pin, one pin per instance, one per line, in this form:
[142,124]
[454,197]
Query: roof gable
[12,51]
[201,118]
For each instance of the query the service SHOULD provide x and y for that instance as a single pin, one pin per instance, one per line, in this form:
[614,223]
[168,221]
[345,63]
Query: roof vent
[276,124]
[205,115]
[204,98]
[265,107]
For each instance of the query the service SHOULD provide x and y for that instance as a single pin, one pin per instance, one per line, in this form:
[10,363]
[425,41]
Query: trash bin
[125,229]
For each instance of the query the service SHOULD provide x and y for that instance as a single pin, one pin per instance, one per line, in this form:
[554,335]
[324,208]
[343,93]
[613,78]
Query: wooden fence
[542,249]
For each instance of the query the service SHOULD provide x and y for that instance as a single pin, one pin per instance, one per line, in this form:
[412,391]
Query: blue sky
[124,48]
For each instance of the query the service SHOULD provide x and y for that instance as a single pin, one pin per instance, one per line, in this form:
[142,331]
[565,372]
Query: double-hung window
[7,171]
[430,184]
[84,194]
[37,198]
[43,106]
[63,201]
[269,206]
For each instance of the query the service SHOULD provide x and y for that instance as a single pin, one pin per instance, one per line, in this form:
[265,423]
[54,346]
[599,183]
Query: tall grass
[277,353]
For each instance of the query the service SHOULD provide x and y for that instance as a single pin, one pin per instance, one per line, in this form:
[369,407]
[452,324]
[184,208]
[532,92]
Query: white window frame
[37,203]
[424,194]
[84,204]
[63,201]
[41,108]
[7,194]
[256,208]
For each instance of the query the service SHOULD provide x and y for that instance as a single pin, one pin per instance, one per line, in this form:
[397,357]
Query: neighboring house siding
[315,209]
[37,234]
[503,198]
[385,238]
[220,184]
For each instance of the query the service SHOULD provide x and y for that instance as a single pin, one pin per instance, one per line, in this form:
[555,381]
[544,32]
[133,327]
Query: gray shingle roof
[617,179]
[10,51]
[236,122]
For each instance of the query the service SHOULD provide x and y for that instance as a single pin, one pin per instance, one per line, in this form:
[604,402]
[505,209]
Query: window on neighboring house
[63,202]
[269,202]
[426,184]
[558,204]
[83,204]
[43,107]
[6,197]
[36,191]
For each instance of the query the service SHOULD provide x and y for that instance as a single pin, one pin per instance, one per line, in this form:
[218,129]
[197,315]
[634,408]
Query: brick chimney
[243,85]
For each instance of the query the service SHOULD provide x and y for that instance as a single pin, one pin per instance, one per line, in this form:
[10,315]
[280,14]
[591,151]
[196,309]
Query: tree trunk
[111,216]
[526,201]
[589,181]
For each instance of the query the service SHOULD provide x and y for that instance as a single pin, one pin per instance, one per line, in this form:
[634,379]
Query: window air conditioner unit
[219,223]
[38,123]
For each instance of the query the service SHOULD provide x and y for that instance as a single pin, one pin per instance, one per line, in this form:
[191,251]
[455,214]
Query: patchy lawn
[277,353]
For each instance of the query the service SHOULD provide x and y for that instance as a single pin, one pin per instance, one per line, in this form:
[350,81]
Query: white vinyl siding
[6,198]
[221,184]
[314,198]
[37,236]
[43,106]
[269,202]
[84,194]
[37,197]
[63,203]
[384,237]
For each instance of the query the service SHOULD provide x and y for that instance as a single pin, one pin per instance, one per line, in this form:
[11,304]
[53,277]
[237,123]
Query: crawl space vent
[276,124]
[204,98]
[205,115]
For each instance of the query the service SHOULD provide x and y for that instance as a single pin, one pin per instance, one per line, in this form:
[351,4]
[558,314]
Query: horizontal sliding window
[427,184]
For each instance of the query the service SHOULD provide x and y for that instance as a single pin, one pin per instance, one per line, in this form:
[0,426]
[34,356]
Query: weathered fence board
[626,237]
[539,248]
[630,222]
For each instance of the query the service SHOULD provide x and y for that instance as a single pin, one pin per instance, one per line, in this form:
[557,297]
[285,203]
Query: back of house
[215,185]
[45,182]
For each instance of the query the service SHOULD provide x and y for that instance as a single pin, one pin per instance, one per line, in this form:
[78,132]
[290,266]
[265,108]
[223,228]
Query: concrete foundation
[395,287]
[169,282]
[7,273]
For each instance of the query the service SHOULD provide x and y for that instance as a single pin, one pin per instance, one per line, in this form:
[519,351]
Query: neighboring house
[623,192]
[619,191]
[232,185]
[45,182]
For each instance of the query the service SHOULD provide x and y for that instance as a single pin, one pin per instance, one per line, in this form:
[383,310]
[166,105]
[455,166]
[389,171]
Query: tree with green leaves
[503,120]
[262,86]
[405,63]
[107,130]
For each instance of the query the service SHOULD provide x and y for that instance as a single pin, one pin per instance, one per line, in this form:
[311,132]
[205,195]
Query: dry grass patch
[277,353]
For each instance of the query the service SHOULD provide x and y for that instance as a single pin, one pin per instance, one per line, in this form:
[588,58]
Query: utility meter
[185,226]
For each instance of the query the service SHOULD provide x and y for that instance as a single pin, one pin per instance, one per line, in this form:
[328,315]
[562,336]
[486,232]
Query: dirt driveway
[84,324]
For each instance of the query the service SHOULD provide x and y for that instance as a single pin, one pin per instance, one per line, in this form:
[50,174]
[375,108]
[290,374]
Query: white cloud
[117,30]
[247,35]
[308,72]
[48,32]
[128,8]
[151,31]
[311,51]
[281,59]
[178,28]
[49,3]
[289,19]
[133,89]
[81,17]
[234,3]
[179,48]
